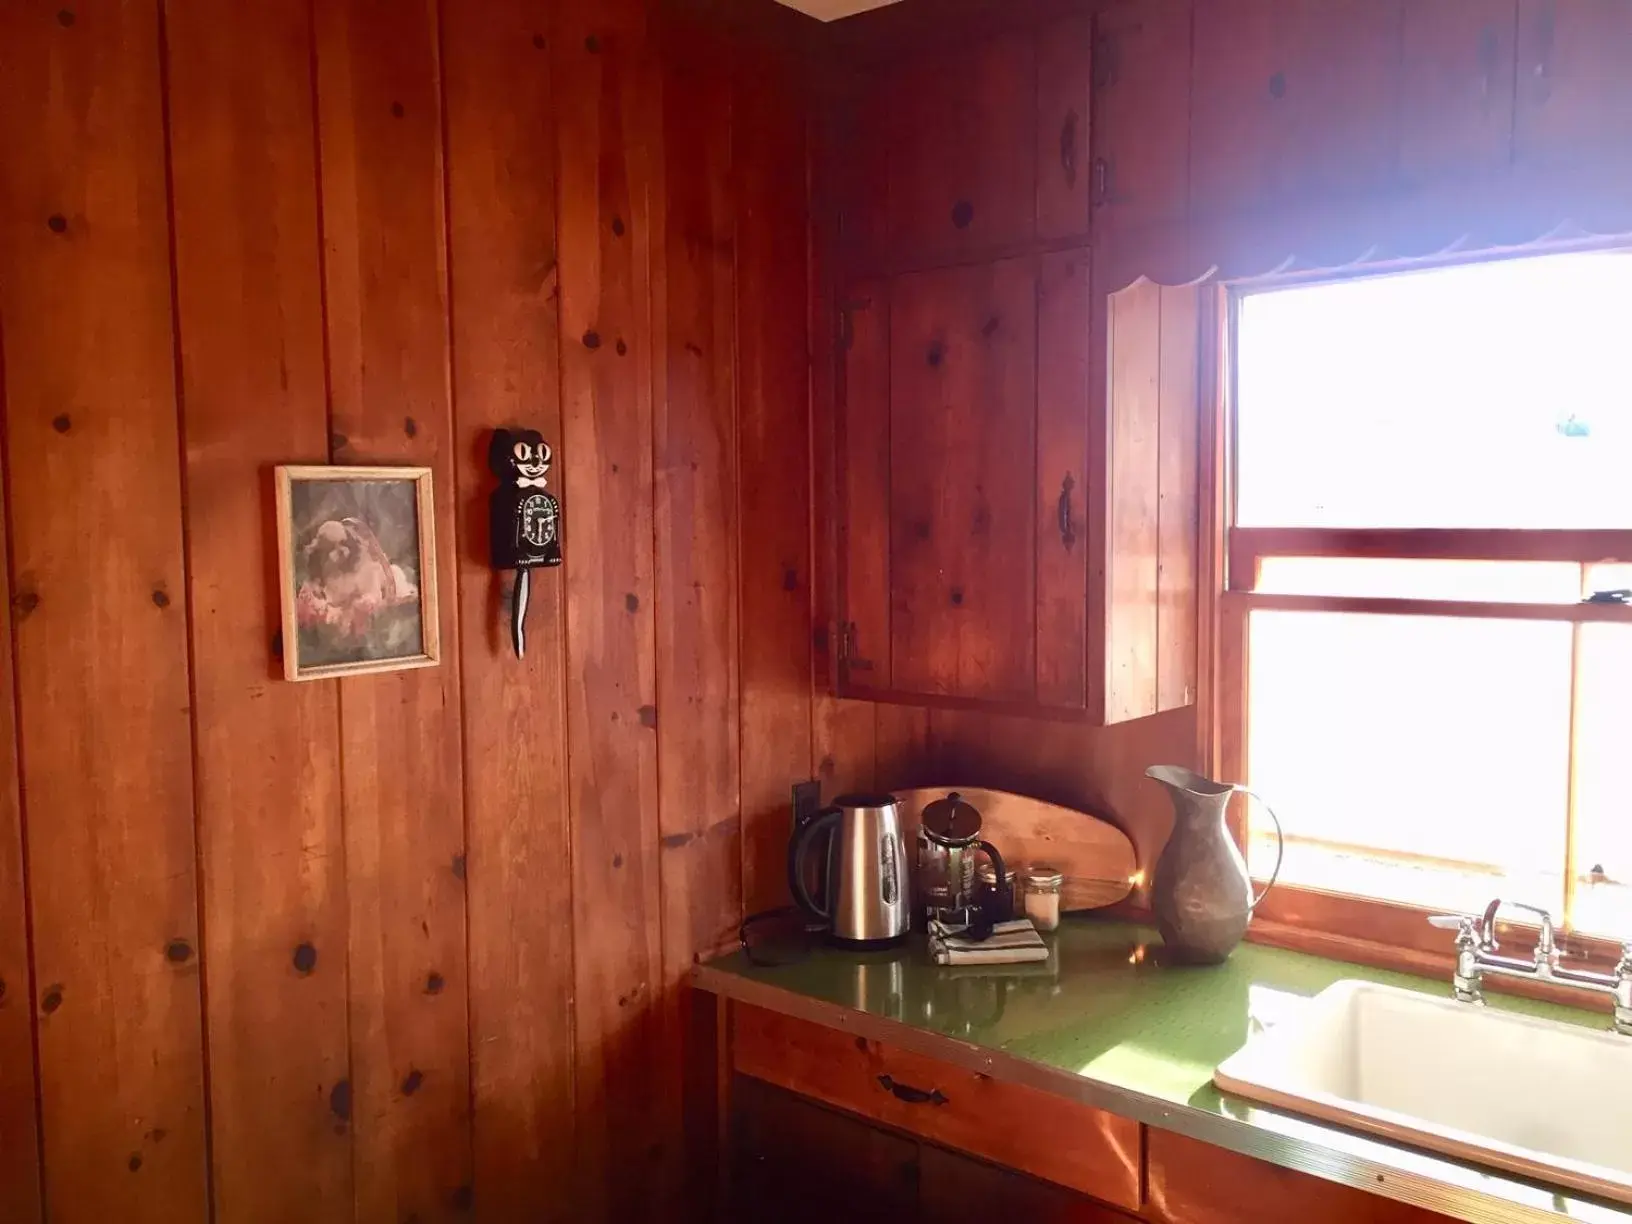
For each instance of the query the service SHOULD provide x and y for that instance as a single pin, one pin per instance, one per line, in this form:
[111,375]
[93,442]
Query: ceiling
[832,10]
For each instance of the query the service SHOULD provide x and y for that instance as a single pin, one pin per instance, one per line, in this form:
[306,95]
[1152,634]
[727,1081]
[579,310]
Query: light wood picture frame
[356,570]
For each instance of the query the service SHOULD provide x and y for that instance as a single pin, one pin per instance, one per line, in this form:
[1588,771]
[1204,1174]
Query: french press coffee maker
[948,844]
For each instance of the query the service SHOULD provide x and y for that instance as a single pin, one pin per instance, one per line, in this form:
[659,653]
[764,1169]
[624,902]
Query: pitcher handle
[1280,844]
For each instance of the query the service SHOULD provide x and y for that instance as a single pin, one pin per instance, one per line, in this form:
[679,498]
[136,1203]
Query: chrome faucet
[1478,954]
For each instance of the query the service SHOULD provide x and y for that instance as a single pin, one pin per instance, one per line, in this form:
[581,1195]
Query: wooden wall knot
[66,18]
[963,214]
[340,1100]
[434,982]
[57,223]
[178,951]
[24,603]
[161,597]
[51,1000]
[62,422]
[305,958]
[412,1081]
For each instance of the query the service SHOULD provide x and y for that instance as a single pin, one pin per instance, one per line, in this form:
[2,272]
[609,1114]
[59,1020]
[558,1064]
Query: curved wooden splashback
[1096,857]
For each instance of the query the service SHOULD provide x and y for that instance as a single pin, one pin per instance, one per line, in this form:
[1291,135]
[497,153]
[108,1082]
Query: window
[1424,666]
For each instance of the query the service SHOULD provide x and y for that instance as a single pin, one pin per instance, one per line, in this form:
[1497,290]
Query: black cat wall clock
[525,517]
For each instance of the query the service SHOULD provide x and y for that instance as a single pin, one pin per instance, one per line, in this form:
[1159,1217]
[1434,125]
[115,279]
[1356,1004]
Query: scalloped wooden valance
[1501,214]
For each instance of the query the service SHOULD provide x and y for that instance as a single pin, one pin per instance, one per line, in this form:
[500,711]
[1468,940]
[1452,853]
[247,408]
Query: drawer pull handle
[911,1095]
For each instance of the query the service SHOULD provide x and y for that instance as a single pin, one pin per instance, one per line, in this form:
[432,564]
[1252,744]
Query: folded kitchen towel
[1010,943]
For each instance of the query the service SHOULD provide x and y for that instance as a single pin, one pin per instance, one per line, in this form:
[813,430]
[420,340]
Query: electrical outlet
[807,801]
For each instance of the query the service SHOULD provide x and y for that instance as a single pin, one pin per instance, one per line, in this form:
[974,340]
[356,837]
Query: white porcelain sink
[1536,1097]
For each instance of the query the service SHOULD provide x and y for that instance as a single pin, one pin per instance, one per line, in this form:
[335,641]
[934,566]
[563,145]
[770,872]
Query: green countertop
[1107,1022]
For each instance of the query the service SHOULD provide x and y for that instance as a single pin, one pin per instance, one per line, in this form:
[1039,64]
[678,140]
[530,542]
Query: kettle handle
[1280,845]
[798,847]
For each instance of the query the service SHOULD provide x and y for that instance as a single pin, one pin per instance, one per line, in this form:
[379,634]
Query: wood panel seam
[200,930]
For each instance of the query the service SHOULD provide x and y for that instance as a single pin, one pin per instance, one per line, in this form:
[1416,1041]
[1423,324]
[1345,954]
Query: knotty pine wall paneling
[19,1131]
[99,606]
[406,946]
[695,453]
[380,140]
[272,855]
[769,160]
[608,148]
[500,88]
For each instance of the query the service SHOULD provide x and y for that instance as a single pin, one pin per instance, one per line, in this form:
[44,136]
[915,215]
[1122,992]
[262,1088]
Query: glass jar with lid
[1042,896]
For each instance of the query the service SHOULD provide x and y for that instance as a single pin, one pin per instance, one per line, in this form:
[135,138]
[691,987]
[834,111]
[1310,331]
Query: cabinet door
[1575,87]
[1064,94]
[1141,168]
[1153,345]
[963,400]
[1194,1183]
[863,445]
[1294,100]
[793,1160]
[962,148]
[1064,313]
[1456,83]
[957,1190]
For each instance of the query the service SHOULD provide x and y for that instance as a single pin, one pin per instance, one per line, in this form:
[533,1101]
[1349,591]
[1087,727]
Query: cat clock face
[520,456]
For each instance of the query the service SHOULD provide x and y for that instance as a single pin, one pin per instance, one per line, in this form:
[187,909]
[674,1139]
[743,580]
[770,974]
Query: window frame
[1346,925]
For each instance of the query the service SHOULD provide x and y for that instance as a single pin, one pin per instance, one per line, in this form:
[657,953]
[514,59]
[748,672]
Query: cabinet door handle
[1102,180]
[1487,62]
[1068,148]
[911,1095]
[1068,532]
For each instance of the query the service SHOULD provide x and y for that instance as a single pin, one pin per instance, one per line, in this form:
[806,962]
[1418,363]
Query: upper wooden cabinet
[1016,479]
[1574,100]
[962,529]
[1456,89]
[1141,130]
[1293,100]
[976,147]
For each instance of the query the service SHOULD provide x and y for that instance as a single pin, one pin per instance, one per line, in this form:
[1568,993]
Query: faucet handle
[1465,926]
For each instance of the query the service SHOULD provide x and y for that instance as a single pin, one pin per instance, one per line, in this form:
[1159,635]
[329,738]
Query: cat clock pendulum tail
[526,519]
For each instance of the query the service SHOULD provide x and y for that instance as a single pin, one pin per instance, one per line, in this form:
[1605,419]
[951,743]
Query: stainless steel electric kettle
[863,897]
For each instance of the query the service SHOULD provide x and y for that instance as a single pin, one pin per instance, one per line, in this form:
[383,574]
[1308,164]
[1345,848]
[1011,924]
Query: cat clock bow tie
[523,482]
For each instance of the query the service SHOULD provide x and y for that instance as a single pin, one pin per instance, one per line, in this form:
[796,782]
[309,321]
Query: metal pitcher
[1202,894]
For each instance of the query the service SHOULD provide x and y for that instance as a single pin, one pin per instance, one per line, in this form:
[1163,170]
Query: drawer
[1019,1127]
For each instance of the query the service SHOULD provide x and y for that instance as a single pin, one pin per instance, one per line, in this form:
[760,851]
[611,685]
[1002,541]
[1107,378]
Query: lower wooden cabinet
[797,1162]
[1191,1182]
[830,1126]
[1038,1133]
[794,1161]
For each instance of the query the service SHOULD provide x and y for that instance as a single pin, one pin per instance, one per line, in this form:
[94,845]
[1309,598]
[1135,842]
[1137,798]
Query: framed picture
[357,570]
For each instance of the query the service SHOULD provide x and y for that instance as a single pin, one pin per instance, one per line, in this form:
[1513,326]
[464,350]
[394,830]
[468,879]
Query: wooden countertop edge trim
[1461,1202]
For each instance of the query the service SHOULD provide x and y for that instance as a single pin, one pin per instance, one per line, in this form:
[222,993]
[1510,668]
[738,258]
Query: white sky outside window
[1491,395]
[1427,759]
